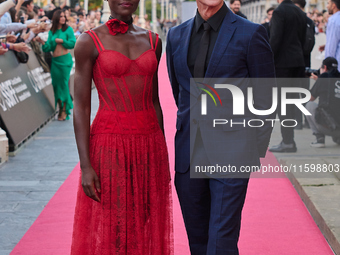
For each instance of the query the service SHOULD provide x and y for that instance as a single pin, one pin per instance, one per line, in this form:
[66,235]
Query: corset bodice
[125,92]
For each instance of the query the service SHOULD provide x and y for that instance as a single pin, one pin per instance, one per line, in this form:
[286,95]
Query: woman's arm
[155,97]
[19,47]
[71,39]
[19,3]
[5,6]
[85,56]
[49,45]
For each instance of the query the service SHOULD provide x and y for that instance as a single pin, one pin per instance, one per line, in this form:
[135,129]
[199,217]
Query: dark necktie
[199,68]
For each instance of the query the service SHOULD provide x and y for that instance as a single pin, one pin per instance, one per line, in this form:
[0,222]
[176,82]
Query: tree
[93,4]
[148,9]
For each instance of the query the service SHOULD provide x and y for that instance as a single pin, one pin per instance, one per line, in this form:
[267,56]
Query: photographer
[327,88]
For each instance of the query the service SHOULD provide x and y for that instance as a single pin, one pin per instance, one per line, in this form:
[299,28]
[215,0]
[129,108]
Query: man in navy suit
[237,48]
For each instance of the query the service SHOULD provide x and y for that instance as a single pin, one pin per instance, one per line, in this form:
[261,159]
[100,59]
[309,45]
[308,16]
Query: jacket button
[194,121]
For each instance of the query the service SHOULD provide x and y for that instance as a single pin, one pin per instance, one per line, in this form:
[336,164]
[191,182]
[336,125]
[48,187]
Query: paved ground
[319,191]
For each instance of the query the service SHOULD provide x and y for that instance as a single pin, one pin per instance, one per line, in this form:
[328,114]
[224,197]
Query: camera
[309,71]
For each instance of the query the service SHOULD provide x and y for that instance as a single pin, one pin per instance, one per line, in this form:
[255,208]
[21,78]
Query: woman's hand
[43,19]
[38,39]
[11,38]
[19,47]
[90,183]
[58,40]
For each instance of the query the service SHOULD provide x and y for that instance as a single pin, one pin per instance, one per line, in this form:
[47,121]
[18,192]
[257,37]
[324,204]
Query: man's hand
[63,5]
[41,28]
[32,25]
[314,77]
[19,3]
[11,38]
[58,40]
[43,19]
[2,50]
[321,48]
[19,47]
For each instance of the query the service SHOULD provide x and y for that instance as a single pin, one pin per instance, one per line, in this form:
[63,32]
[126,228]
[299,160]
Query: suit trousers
[211,208]
[295,72]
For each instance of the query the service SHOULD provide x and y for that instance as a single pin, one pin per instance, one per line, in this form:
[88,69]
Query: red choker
[117,26]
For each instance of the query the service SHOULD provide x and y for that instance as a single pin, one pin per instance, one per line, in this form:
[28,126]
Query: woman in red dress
[124,196]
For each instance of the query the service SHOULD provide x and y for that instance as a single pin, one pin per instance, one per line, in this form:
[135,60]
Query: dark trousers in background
[299,116]
[295,72]
[211,208]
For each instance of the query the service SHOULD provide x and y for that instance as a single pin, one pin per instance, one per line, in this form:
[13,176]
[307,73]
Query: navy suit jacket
[241,51]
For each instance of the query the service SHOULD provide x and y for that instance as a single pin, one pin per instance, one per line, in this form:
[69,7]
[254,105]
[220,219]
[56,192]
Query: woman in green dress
[60,40]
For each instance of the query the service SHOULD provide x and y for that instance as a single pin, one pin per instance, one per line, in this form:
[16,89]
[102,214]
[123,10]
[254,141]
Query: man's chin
[211,3]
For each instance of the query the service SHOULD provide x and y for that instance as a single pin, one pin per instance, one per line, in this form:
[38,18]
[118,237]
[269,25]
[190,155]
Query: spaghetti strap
[94,40]
[150,39]
[100,43]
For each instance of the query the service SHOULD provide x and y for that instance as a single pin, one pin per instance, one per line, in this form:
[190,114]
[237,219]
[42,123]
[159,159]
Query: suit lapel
[184,45]
[225,34]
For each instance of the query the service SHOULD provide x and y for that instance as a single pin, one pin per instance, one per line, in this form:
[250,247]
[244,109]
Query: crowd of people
[320,19]
[292,39]
[291,33]
[51,32]
[21,18]
[20,15]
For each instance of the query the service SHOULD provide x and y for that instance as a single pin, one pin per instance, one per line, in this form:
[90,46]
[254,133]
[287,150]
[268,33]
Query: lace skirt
[134,216]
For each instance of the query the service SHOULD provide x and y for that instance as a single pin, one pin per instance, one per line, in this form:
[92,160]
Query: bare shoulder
[100,29]
[85,47]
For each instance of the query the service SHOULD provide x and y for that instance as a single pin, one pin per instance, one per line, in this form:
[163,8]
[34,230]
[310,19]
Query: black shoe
[298,126]
[282,147]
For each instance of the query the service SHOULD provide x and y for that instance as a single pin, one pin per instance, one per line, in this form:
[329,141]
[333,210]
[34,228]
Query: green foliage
[148,7]
[93,4]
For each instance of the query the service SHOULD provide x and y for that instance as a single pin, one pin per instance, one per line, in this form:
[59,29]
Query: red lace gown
[129,154]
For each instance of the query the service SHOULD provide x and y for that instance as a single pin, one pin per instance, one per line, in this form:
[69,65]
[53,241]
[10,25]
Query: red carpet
[275,220]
